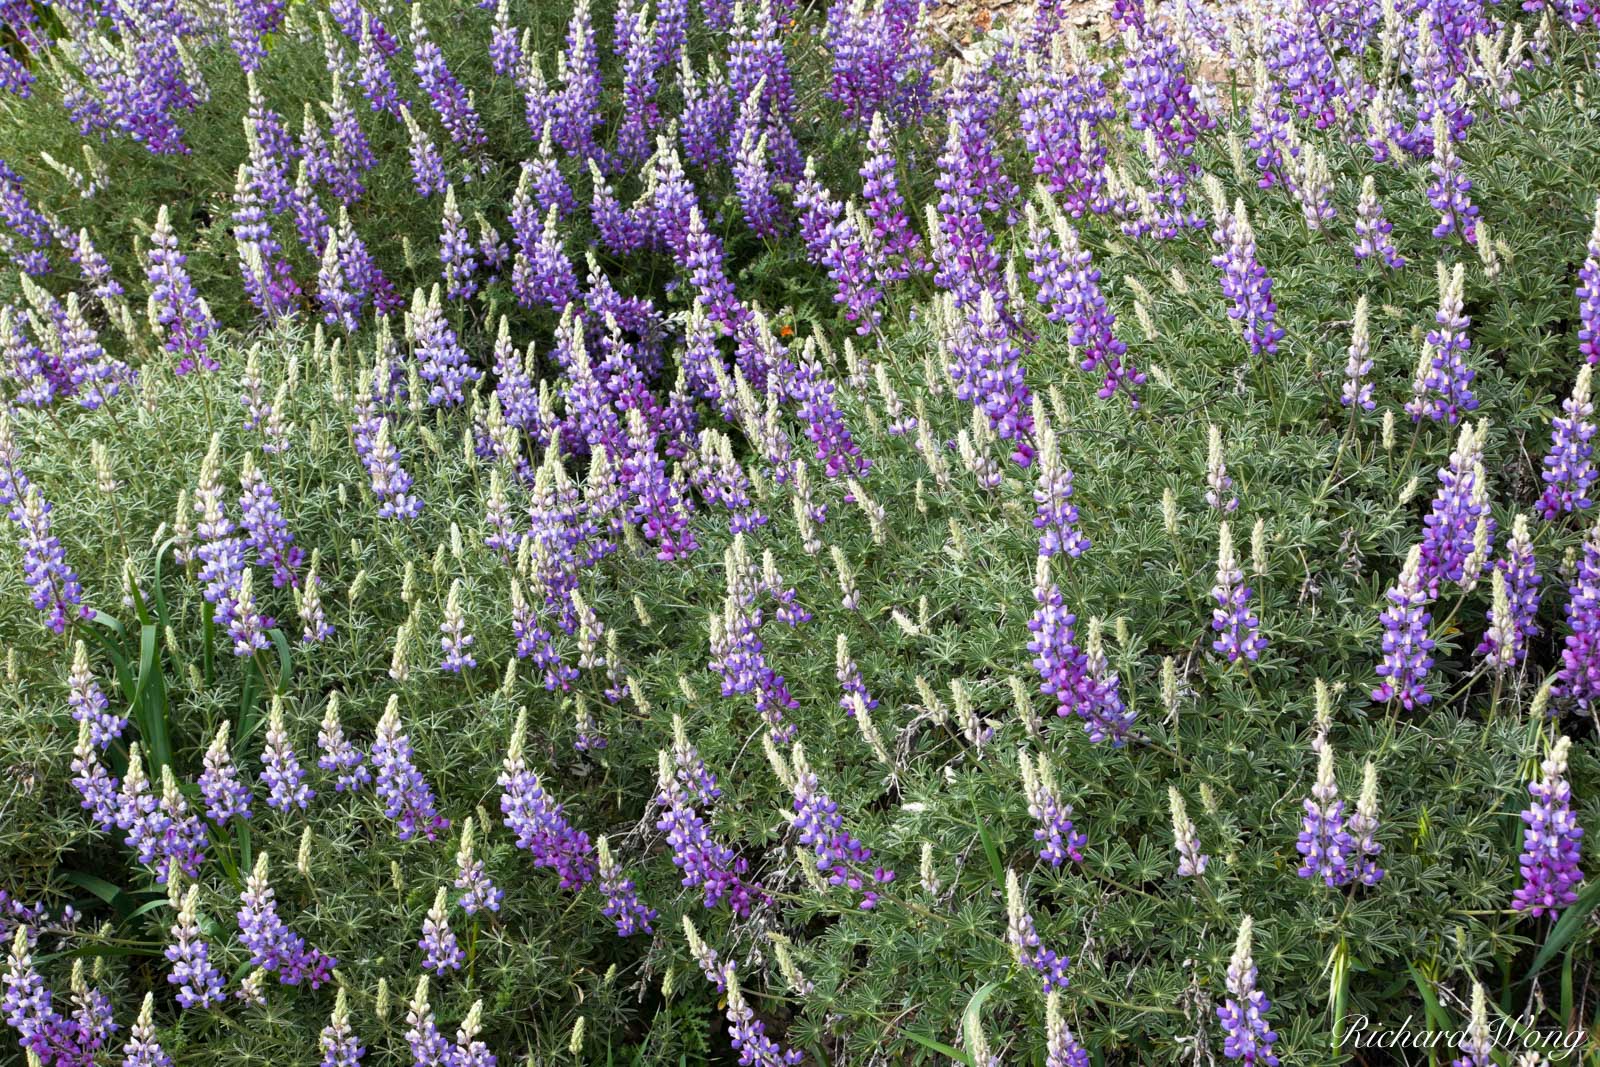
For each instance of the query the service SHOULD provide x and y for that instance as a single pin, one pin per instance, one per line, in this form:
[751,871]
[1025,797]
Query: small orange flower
[985,20]
[786,330]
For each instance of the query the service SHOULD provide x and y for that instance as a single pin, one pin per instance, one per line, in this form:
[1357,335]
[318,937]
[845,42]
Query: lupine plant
[737,532]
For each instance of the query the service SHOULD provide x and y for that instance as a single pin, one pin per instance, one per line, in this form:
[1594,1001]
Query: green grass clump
[923,574]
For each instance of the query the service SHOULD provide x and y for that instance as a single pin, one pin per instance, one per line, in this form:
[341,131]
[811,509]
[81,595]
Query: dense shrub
[590,450]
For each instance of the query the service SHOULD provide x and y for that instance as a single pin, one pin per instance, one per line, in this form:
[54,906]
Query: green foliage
[945,596]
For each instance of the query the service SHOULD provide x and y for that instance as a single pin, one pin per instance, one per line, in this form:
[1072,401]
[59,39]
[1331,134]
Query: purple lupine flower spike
[98,790]
[539,823]
[281,772]
[1025,942]
[389,481]
[247,627]
[200,984]
[746,1032]
[1403,673]
[88,702]
[706,863]
[1186,838]
[1514,607]
[1363,827]
[577,108]
[451,102]
[454,639]
[443,362]
[1056,517]
[1244,280]
[315,627]
[1442,387]
[1062,1048]
[987,366]
[1237,627]
[138,812]
[372,66]
[1373,229]
[1450,529]
[1324,841]
[273,947]
[265,528]
[1069,285]
[53,585]
[622,906]
[458,256]
[1249,1038]
[1579,676]
[27,1001]
[885,208]
[427,166]
[142,1048]
[1063,667]
[407,798]
[1058,840]
[470,1051]
[178,314]
[1357,388]
[478,893]
[441,952]
[1552,840]
[1568,466]
[226,794]
[184,837]
[338,1042]
[1589,296]
[428,1047]
[839,856]
[1448,192]
[881,62]
[1477,1045]
[338,756]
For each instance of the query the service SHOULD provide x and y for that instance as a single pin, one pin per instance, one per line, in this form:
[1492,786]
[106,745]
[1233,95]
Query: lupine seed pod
[1169,688]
